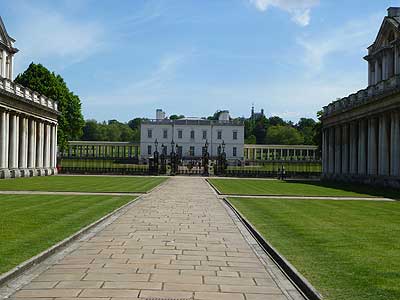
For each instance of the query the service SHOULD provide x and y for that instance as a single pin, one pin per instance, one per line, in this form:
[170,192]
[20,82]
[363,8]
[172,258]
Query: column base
[5,173]
[48,171]
[15,173]
[55,171]
[24,173]
[32,172]
[40,172]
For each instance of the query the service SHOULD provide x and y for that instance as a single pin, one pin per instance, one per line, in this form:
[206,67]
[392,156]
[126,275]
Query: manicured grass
[82,184]
[346,249]
[298,188]
[29,224]
[289,166]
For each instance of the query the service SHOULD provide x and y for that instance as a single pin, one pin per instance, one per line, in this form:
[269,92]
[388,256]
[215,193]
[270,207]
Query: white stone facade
[361,133]
[191,135]
[28,123]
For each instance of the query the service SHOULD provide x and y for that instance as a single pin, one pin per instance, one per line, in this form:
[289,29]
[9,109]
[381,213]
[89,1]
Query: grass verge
[29,224]
[82,184]
[299,188]
[346,249]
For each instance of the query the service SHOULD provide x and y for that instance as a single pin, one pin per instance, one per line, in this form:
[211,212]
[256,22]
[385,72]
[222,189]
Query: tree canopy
[38,78]
[112,130]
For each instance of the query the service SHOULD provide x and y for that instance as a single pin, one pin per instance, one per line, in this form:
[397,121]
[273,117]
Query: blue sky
[127,58]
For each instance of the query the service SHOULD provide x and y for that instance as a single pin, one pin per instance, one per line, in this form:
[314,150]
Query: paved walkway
[178,242]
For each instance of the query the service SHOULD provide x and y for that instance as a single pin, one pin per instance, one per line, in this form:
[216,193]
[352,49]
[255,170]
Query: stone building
[361,132]
[28,122]
[190,135]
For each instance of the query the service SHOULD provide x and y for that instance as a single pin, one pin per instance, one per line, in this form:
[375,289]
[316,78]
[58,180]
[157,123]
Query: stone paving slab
[178,242]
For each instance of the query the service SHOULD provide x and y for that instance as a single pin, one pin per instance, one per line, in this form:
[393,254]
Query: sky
[125,59]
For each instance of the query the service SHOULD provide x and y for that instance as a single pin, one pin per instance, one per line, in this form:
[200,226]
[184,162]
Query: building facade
[189,136]
[361,132]
[28,122]
[253,152]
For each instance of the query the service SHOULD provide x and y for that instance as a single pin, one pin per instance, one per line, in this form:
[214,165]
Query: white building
[190,136]
[28,122]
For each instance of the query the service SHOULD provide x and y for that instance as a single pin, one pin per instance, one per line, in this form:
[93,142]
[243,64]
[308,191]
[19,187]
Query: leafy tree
[306,127]
[284,135]
[250,140]
[276,121]
[135,123]
[176,117]
[260,130]
[47,83]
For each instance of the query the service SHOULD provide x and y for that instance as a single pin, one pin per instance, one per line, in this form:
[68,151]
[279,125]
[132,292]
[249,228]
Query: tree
[284,135]
[135,123]
[47,83]
[306,127]
[176,117]
[260,130]
[250,140]
[276,121]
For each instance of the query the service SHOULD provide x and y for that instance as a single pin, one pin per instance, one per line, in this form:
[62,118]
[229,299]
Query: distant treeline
[259,130]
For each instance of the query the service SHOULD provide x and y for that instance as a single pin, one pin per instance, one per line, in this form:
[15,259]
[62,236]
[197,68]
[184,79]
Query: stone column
[372,147]
[4,64]
[39,147]
[11,67]
[4,144]
[23,146]
[376,71]
[53,147]
[325,142]
[338,148]
[331,150]
[370,74]
[345,149]
[46,154]
[395,144]
[14,145]
[353,148]
[396,60]
[383,149]
[32,147]
[362,147]
[384,66]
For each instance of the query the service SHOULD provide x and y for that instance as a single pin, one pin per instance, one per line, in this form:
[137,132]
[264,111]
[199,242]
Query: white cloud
[300,10]
[352,37]
[49,35]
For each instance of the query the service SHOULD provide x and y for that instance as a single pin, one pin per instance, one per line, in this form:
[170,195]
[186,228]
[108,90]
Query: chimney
[393,12]
[160,115]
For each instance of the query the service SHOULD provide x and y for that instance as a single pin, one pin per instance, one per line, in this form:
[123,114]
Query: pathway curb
[298,280]
[24,266]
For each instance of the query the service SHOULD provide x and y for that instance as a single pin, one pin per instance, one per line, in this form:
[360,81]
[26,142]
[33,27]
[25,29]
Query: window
[204,134]
[179,151]
[180,134]
[235,135]
[192,134]
[219,135]
[164,150]
[203,151]
[234,151]
[165,133]
[149,149]
[149,133]
[191,151]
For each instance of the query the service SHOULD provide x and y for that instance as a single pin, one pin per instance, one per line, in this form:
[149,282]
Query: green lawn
[30,224]
[82,184]
[346,249]
[275,166]
[298,188]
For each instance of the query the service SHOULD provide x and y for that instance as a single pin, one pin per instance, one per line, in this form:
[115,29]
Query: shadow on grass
[354,187]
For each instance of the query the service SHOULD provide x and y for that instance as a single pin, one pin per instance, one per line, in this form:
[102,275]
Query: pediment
[388,32]
[5,39]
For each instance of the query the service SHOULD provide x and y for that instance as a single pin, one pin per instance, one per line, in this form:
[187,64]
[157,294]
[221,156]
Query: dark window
[219,135]
[204,134]
[165,133]
[149,133]
[234,151]
[164,150]
[149,149]
[179,134]
[203,151]
[192,134]
[179,151]
[235,135]
[191,151]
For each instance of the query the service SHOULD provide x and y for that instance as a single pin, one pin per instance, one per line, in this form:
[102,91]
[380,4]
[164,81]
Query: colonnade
[28,145]
[365,147]
[281,152]
[103,150]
